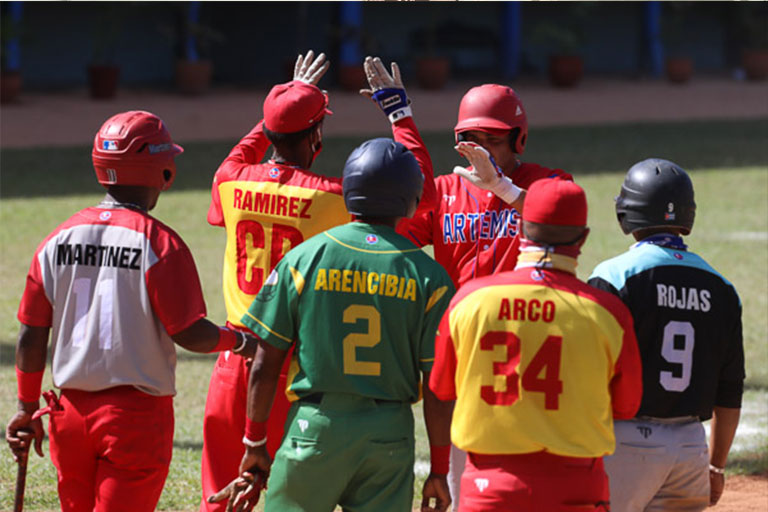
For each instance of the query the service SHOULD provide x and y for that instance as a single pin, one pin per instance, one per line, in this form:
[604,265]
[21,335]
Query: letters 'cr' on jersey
[688,325]
[473,231]
[362,304]
[537,360]
[269,208]
[113,284]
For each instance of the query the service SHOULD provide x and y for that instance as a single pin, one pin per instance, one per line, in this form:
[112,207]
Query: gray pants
[458,461]
[659,465]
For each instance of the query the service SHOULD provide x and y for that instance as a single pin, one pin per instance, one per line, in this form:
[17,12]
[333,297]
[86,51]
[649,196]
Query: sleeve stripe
[436,296]
[298,280]
[287,340]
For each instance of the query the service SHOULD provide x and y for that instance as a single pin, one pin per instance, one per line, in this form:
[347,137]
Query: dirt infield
[744,494]
[71,118]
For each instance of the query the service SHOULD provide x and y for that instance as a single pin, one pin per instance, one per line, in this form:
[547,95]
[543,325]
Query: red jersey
[537,360]
[114,284]
[269,208]
[474,233]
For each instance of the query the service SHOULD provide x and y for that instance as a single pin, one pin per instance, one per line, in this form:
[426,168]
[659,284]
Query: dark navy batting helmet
[656,193]
[381,179]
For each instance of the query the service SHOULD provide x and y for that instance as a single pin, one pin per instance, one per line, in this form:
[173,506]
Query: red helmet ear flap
[135,148]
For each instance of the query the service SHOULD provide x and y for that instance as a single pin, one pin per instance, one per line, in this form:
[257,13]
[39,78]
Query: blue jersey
[688,327]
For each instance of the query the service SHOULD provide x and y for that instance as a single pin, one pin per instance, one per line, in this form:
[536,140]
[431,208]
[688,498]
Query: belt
[316,398]
[669,421]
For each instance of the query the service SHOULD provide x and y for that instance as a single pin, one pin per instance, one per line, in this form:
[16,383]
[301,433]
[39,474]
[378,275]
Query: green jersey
[362,305]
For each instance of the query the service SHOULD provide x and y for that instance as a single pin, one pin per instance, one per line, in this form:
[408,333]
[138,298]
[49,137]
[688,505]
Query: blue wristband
[394,103]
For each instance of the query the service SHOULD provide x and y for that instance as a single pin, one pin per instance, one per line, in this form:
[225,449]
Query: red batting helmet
[135,148]
[493,108]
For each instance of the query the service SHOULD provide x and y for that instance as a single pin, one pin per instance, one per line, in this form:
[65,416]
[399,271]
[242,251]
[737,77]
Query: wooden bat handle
[21,481]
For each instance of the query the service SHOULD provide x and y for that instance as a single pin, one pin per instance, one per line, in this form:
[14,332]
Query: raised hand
[310,69]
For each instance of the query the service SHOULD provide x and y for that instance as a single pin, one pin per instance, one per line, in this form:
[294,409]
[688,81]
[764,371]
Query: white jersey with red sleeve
[114,284]
[269,208]
[474,233]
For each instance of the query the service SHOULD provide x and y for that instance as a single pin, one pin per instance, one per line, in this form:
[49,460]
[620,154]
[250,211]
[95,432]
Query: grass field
[729,167]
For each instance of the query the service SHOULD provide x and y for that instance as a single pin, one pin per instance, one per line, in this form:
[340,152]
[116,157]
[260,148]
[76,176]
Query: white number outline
[683,357]
[82,291]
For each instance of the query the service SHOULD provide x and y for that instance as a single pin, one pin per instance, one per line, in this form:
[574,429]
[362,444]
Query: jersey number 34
[546,361]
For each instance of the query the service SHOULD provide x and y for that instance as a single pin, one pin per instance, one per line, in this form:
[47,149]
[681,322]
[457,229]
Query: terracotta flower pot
[102,81]
[10,86]
[679,69]
[193,77]
[755,63]
[565,70]
[432,72]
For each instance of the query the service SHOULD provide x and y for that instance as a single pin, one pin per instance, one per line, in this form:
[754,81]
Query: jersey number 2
[370,338]
[546,360]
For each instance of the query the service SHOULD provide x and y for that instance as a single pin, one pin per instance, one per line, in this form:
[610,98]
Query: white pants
[458,461]
[658,466]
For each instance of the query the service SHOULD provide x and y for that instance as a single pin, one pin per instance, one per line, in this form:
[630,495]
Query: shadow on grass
[188,445]
[578,150]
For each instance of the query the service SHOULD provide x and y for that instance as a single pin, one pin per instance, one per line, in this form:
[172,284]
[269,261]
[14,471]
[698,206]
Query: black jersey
[688,326]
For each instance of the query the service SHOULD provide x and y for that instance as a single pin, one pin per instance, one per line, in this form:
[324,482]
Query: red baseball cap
[294,106]
[557,202]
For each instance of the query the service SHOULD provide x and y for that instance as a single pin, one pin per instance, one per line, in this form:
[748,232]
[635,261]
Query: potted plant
[564,41]
[678,64]
[754,31]
[103,72]
[432,68]
[10,72]
[193,41]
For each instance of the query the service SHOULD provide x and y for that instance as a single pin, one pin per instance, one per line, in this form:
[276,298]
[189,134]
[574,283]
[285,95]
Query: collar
[545,257]
[667,240]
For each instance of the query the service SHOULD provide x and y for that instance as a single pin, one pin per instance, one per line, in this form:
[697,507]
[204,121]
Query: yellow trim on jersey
[534,258]
[293,370]
[298,280]
[395,251]
[288,340]
[436,296]
[428,360]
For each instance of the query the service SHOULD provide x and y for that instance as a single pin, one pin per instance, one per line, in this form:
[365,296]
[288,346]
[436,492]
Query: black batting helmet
[381,179]
[656,193]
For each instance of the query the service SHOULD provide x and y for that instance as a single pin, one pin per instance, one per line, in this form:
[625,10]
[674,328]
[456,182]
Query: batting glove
[310,69]
[386,90]
[485,173]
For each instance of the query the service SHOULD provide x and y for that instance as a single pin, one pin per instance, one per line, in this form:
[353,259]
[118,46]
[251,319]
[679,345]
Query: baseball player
[267,209]
[538,363]
[688,326]
[119,288]
[474,227]
[361,304]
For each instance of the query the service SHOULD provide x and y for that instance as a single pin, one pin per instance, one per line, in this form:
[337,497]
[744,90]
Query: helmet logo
[518,111]
[371,239]
[105,215]
[274,172]
[109,145]
[158,148]
[111,176]
[678,256]
[670,213]
[536,275]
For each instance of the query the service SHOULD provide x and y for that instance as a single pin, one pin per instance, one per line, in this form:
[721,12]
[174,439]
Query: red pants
[533,482]
[224,424]
[111,448]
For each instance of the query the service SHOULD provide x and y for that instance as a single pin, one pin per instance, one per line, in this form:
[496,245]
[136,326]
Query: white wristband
[715,469]
[506,190]
[400,114]
[254,444]
[243,341]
